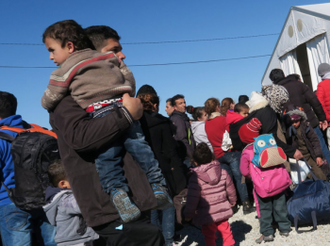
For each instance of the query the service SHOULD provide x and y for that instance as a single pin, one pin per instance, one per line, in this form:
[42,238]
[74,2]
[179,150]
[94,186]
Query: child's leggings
[209,232]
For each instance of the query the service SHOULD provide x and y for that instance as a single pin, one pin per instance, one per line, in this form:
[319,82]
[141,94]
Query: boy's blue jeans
[17,225]
[109,163]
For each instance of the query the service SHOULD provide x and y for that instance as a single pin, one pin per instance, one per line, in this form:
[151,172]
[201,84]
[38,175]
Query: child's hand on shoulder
[319,161]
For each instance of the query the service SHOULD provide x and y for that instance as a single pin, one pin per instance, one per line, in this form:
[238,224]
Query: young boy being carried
[97,82]
[63,211]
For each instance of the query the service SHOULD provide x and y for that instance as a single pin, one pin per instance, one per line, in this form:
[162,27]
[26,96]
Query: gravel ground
[246,230]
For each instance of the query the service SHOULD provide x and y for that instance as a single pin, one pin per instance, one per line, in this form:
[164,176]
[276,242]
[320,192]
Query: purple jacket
[210,193]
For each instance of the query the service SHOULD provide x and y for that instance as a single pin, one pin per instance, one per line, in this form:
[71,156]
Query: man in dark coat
[81,138]
[183,134]
[302,96]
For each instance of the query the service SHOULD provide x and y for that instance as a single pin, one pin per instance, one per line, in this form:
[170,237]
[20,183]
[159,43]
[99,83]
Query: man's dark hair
[176,97]
[100,34]
[68,31]
[170,101]
[202,154]
[240,106]
[56,172]
[8,104]
[276,75]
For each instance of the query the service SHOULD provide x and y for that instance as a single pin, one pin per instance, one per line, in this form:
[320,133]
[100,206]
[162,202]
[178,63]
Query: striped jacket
[90,77]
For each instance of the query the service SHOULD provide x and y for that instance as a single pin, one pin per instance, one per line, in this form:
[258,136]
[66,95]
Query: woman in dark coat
[159,132]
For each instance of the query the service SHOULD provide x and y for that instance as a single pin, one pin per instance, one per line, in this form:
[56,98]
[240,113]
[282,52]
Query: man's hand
[133,105]
[298,155]
[323,124]
[319,161]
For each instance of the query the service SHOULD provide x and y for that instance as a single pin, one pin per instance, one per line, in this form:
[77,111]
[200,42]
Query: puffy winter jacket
[323,94]
[210,193]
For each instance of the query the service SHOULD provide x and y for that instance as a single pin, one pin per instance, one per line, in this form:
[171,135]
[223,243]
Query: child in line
[211,194]
[240,111]
[63,212]
[302,136]
[273,206]
[97,83]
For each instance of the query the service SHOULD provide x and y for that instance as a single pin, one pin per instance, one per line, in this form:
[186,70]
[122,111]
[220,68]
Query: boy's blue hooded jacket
[6,160]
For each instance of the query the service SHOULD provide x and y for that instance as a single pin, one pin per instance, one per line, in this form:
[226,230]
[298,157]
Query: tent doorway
[302,60]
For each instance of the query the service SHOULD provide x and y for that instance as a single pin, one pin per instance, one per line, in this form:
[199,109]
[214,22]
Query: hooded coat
[210,194]
[64,213]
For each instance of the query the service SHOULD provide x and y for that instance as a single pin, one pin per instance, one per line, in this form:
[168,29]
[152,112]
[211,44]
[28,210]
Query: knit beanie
[249,131]
[276,95]
[146,89]
[323,69]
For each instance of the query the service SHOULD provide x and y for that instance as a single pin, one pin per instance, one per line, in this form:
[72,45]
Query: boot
[248,208]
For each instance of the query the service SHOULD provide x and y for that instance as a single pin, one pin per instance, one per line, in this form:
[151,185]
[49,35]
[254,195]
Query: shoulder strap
[6,136]
[35,128]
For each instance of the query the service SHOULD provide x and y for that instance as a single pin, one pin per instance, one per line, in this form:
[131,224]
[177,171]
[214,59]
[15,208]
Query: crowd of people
[122,163]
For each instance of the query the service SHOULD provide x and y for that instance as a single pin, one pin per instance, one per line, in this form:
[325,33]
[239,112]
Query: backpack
[33,150]
[267,181]
[266,152]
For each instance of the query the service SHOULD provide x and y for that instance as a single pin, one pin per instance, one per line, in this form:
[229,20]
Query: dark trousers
[136,233]
[273,207]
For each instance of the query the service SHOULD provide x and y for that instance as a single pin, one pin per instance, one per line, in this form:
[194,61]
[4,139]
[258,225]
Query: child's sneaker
[265,238]
[164,201]
[127,210]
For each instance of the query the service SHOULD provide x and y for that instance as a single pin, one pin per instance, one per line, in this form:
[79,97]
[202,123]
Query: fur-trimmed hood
[257,101]
[297,112]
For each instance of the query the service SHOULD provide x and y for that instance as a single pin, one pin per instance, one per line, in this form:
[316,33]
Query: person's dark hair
[8,104]
[56,172]
[243,99]
[225,105]
[68,31]
[148,101]
[202,154]
[176,97]
[170,101]
[100,34]
[276,75]
[240,106]
[211,105]
[196,112]
[146,89]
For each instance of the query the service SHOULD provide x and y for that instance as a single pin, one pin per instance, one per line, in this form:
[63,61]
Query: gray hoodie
[64,213]
[198,130]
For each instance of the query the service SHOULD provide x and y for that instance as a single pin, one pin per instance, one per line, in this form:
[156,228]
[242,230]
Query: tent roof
[320,13]
[319,10]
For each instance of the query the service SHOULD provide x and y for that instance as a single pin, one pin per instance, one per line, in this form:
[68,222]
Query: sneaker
[127,210]
[265,238]
[284,234]
[248,208]
[164,201]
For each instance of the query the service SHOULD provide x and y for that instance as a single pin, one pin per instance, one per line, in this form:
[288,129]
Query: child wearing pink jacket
[211,194]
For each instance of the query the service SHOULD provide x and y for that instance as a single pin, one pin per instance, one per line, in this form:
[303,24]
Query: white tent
[303,44]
